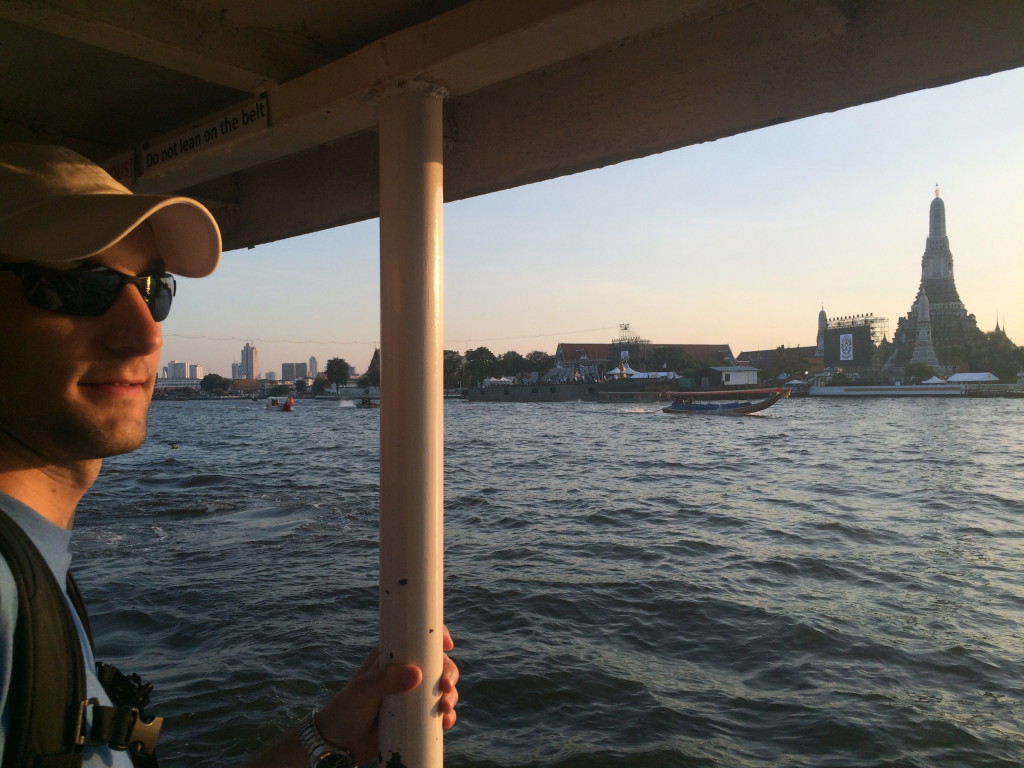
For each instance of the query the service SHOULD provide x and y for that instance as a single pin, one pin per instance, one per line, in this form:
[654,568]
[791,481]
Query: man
[84,285]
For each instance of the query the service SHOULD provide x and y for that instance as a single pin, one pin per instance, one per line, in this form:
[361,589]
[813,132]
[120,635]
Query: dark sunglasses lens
[97,291]
[72,292]
[158,296]
[91,291]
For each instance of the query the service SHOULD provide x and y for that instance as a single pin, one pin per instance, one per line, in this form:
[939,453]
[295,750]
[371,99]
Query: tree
[995,353]
[212,383]
[788,362]
[451,367]
[301,385]
[480,364]
[541,362]
[337,372]
[674,359]
[511,364]
[319,385]
[918,372]
[279,390]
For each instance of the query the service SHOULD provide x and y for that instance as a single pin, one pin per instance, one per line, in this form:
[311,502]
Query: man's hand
[349,719]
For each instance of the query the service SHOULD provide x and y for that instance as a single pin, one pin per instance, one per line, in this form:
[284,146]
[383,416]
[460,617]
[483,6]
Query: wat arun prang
[937,330]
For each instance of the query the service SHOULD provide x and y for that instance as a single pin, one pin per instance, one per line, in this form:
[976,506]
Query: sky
[738,241]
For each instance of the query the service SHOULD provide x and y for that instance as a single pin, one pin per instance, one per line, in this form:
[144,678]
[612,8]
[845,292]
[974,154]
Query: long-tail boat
[730,402]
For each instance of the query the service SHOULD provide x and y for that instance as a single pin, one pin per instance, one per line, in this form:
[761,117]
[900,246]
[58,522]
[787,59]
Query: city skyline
[738,241]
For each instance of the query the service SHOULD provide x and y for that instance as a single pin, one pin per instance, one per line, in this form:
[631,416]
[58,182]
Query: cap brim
[75,227]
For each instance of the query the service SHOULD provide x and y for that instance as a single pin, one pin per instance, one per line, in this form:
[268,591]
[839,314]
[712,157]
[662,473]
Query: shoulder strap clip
[121,728]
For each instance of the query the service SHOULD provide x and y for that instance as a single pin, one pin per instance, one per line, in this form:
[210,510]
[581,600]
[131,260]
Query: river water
[832,582]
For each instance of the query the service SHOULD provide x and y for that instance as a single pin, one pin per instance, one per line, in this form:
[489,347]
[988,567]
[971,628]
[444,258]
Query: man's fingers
[400,678]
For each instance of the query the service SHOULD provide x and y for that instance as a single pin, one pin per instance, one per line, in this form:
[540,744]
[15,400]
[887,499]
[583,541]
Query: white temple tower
[924,349]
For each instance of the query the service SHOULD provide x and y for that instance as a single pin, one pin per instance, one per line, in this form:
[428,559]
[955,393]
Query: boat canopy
[934,380]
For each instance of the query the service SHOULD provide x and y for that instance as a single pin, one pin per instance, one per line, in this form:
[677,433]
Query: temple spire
[938,325]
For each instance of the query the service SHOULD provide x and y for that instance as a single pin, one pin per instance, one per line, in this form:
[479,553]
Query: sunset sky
[739,241]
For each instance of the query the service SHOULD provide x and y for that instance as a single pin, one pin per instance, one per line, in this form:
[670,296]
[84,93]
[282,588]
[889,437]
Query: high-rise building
[313,369]
[195,371]
[293,371]
[176,370]
[237,371]
[250,362]
[937,324]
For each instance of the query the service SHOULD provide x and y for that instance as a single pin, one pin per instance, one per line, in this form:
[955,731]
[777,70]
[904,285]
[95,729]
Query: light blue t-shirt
[55,545]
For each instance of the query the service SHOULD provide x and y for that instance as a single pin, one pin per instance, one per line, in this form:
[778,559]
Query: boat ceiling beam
[724,70]
[537,90]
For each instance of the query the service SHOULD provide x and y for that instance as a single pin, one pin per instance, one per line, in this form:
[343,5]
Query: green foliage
[280,389]
[213,383]
[786,361]
[541,362]
[319,385]
[511,364]
[674,360]
[915,373]
[337,372]
[480,364]
[451,368]
[996,353]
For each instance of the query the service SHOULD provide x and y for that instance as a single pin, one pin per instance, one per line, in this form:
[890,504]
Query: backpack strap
[48,728]
[75,595]
[47,675]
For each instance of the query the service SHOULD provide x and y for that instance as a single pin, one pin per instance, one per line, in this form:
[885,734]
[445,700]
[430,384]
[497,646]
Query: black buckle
[121,728]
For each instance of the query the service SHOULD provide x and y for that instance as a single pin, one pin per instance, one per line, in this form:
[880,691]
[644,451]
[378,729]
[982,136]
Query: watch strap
[316,747]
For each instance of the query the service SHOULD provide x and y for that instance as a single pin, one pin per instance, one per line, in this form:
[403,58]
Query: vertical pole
[411,417]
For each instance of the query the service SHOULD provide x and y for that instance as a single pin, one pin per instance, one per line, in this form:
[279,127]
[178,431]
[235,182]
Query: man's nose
[130,325]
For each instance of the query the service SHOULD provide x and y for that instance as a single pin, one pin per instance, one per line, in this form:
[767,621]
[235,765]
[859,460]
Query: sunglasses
[88,290]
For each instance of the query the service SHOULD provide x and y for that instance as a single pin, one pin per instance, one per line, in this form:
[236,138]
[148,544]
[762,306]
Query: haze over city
[739,241]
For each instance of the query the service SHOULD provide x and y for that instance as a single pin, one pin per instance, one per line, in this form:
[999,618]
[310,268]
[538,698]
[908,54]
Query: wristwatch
[319,752]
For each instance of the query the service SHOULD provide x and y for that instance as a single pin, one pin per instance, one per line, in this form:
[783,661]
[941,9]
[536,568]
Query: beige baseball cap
[56,205]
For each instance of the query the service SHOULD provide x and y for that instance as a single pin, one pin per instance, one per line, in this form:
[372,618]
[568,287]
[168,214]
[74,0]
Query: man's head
[57,206]
[83,286]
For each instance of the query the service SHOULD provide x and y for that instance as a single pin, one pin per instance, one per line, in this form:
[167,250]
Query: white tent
[934,380]
[973,377]
[622,370]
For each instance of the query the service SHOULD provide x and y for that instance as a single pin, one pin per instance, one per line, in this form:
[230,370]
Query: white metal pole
[411,416]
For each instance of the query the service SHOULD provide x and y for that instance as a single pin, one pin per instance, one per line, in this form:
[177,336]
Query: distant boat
[367,402]
[277,404]
[730,402]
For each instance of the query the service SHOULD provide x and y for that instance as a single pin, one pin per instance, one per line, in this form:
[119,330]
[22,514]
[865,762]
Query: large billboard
[848,347]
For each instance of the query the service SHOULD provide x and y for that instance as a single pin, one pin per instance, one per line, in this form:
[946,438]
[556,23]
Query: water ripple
[834,584]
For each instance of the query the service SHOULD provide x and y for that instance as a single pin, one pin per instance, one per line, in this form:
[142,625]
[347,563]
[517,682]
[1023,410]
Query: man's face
[78,388]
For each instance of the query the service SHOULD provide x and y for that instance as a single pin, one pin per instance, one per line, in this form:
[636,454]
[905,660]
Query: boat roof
[536,90]
[730,392]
